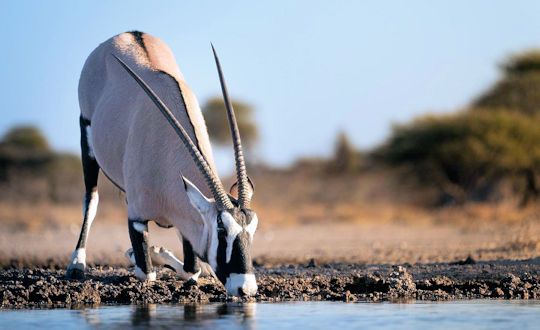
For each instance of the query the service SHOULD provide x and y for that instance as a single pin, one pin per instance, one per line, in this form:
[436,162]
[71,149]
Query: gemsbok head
[162,160]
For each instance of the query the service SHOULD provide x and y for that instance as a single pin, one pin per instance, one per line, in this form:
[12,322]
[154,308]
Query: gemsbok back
[135,105]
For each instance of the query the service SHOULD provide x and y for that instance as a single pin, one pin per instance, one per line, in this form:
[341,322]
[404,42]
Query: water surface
[478,314]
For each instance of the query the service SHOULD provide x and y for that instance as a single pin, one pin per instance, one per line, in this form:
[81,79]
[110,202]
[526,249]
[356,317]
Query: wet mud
[42,287]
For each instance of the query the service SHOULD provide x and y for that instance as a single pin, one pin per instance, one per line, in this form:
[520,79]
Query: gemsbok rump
[135,105]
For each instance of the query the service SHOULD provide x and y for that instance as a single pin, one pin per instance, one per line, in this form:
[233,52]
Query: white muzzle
[241,284]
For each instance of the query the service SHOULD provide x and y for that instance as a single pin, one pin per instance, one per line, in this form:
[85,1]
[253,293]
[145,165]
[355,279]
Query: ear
[234,189]
[196,197]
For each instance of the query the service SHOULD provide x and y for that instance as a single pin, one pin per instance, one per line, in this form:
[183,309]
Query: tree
[459,152]
[215,116]
[519,88]
[345,156]
[26,138]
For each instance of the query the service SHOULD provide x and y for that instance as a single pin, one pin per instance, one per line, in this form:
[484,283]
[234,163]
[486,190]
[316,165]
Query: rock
[497,293]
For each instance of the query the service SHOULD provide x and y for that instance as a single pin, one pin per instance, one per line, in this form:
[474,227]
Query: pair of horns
[216,187]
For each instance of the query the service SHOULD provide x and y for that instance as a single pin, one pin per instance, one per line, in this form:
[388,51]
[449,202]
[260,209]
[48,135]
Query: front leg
[191,264]
[163,257]
[138,233]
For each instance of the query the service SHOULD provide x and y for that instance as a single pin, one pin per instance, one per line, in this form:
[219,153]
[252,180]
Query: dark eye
[220,227]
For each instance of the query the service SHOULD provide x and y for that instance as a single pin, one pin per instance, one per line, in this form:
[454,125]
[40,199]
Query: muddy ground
[324,261]
[348,282]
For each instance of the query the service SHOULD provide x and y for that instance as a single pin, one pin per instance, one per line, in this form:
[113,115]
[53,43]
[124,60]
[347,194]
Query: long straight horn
[222,200]
[241,174]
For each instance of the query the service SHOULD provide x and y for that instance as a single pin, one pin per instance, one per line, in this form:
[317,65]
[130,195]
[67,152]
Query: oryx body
[124,134]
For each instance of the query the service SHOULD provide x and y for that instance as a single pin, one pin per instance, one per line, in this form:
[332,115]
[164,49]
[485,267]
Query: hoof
[75,273]
[189,283]
[149,277]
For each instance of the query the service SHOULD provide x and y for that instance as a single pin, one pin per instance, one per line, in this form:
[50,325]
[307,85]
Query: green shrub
[519,88]
[28,138]
[215,116]
[460,152]
[525,62]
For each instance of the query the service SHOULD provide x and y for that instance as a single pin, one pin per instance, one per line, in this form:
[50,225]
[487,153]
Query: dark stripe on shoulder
[114,183]
[187,112]
[139,39]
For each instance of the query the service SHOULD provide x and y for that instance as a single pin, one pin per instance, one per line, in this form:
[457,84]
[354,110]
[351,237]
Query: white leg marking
[90,212]
[89,142]
[150,277]
[78,259]
[161,256]
[246,282]
[130,255]
[195,276]
[140,227]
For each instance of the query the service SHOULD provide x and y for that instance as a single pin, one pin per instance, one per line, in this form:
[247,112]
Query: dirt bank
[42,287]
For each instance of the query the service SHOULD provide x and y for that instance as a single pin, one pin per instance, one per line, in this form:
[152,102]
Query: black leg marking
[191,264]
[138,233]
[90,171]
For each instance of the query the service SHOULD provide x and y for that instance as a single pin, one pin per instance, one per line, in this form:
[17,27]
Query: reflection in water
[242,314]
[335,315]
[141,315]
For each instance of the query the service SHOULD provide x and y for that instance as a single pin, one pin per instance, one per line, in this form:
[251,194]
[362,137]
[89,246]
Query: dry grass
[295,197]
[34,217]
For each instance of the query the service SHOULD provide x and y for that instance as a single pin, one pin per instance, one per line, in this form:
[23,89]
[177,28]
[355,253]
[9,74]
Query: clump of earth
[349,282]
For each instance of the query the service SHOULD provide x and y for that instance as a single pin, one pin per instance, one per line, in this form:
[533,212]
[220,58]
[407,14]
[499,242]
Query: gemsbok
[134,105]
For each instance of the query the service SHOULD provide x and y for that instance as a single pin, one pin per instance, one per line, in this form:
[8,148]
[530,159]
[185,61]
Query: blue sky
[310,68]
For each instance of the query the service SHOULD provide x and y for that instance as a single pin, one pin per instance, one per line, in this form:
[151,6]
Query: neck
[202,235]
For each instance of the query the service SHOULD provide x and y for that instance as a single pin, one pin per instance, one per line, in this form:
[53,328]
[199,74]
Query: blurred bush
[25,139]
[466,154]
[471,155]
[31,172]
[519,88]
[215,116]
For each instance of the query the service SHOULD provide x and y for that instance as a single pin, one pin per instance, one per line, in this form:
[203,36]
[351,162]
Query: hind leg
[77,265]
[162,257]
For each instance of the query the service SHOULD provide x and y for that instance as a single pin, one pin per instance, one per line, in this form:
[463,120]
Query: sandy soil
[366,243]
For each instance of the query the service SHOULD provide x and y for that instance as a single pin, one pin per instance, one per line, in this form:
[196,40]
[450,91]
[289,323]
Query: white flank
[246,282]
